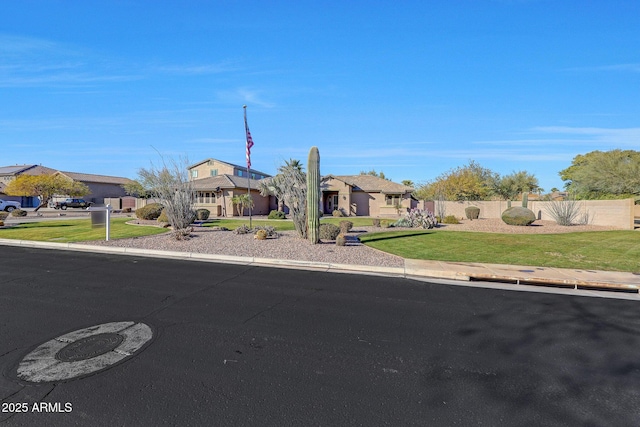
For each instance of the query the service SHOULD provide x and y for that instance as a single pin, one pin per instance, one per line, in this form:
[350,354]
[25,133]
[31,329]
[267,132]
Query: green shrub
[341,239]
[518,215]
[202,214]
[163,216]
[345,226]
[472,212]
[276,215]
[3,215]
[337,213]
[18,212]
[385,223]
[329,231]
[151,211]
[450,219]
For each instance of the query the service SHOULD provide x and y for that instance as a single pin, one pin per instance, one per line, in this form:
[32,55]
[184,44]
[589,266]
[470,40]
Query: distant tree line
[595,175]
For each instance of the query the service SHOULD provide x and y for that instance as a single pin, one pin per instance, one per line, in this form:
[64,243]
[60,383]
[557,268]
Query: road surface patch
[84,352]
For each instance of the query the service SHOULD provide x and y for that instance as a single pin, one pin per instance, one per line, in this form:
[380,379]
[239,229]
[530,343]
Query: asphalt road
[238,345]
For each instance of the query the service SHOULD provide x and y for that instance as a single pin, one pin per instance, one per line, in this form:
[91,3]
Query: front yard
[595,250]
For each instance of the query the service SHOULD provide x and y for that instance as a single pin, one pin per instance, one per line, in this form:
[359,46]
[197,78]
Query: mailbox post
[101,217]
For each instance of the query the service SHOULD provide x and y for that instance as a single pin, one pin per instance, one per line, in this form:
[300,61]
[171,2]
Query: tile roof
[12,170]
[372,184]
[102,179]
[223,181]
[230,164]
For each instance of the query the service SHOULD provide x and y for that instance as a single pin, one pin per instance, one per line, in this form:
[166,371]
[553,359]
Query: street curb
[229,259]
[408,271]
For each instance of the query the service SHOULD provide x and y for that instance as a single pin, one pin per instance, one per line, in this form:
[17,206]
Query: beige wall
[612,213]
[204,169]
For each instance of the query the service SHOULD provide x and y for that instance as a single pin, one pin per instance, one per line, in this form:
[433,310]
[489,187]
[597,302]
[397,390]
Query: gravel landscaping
[289,246]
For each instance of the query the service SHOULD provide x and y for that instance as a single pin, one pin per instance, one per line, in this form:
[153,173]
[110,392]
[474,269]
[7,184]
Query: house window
[253,176]
[194,173]
[239,172]
[392,199]
[214,172]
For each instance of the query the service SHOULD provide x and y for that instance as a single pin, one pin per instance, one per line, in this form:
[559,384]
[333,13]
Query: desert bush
[276,215]
[150,211]
[341,239]
[126,210]
[261,235]
[202,214]
[1,223]
[418,218]
[182,233]
[567,212]
[472,212]
[329,231]
[337,213]
[345,226]
[450,219]
[163,216]
[376,222]
[270,230]
[18,212]
[518,215]
[3,215]
[243,229]
[402,222]
[385,223]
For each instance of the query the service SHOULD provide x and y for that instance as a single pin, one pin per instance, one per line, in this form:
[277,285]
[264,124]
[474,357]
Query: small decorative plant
[261,235]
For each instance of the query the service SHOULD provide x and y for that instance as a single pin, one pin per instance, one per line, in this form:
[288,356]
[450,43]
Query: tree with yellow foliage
[45,187]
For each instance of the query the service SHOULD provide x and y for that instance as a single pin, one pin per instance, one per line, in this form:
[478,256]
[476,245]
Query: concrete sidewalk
[414,269]
[519,274]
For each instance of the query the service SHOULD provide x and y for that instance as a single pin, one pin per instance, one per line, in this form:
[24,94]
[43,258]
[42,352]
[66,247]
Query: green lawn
[75,230]
[604,250]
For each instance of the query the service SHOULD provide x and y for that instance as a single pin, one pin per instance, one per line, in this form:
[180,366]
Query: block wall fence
[611,213]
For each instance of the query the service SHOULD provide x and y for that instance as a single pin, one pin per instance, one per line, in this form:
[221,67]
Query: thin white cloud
[629,67]
[200,69]
[245,96]
[32,62]
[618,137]
[214,141]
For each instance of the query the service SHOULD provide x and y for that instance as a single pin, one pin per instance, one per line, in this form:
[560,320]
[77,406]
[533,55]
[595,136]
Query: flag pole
[249,143]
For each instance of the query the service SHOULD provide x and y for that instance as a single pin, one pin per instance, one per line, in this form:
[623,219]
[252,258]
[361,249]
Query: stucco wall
[611,213]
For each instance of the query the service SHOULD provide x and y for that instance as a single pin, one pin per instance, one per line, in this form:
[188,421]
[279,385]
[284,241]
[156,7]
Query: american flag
[249,145]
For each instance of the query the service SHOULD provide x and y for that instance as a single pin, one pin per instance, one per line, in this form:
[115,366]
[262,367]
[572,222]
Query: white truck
[8,206]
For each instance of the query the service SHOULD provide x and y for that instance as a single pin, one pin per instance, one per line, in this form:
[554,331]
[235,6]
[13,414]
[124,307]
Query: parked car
[9,206]
[72,203]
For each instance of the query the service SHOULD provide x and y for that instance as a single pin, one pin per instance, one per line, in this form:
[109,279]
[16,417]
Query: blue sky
[410,88]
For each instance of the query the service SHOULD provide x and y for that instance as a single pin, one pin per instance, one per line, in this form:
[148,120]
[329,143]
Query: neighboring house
[9,173]
[100,186]
[365,195]
[217,182]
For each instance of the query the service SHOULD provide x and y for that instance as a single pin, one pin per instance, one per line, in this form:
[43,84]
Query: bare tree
[290,185]
[171,184]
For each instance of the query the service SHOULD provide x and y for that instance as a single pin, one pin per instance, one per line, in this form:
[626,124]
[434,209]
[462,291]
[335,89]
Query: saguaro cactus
[525,198]
[313,196]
